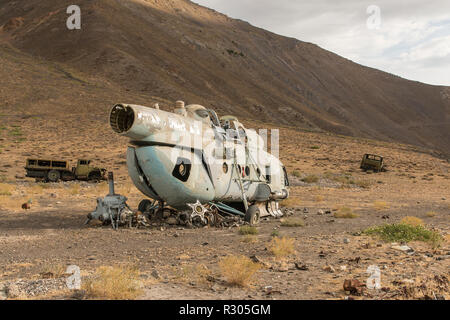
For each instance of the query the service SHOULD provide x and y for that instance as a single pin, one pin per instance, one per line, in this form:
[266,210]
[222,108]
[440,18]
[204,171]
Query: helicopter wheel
[144,206]
[253,215]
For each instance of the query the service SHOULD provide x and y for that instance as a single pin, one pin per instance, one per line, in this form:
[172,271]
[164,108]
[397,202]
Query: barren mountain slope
[179,50]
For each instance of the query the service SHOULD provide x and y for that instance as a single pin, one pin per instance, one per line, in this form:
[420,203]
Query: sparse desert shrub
[296,173]
[431,214]
[380,205]
[238,270]
[345,213]
[315,147]
[53,271]
[282,247]
[403,232]
[344,179]
[292,222]
[193,273]
[113,283]
[311,178]
[291,202]
[412,221]
[16,131]
[275,233]
[246,230]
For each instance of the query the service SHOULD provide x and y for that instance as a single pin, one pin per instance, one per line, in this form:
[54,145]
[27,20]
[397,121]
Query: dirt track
[52,233]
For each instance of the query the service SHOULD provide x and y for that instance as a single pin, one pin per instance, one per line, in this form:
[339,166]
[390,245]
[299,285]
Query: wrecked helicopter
[190,159]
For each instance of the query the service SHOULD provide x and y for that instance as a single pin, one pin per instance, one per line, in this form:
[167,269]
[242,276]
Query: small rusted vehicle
[372,162]
[56,170]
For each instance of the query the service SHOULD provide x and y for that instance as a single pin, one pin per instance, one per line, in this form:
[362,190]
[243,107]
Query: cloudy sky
[409,38]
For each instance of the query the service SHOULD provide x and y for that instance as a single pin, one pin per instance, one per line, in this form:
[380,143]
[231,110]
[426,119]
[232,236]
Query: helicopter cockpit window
[242,134]
[202,113]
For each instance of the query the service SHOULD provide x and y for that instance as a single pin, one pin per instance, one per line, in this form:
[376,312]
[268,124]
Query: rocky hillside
[175,49]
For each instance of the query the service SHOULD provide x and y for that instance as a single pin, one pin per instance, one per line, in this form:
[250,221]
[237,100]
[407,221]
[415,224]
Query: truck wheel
[53,175]
[253,215]
[95,177]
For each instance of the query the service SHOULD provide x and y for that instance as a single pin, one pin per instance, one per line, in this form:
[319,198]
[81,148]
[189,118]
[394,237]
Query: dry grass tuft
[412,221]
[246,230]
[431,214]
[380,205]
[114,283]
[248,238]
[292,222]
[238,270]
[311,178]
[193,273]
[282,247]
[53,271]
[345,213]
[296,173]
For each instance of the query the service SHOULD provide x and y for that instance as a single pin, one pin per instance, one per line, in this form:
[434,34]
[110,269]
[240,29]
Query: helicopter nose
[121,118]
[135,122]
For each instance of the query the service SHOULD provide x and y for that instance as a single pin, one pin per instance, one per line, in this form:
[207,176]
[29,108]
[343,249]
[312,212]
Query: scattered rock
[346,240]
[329,269]
[12,291]
[343,268]
[3,294]
[53,195]
[320,212]
[354,286]
[403,248]
[301,266]
[305,210]
[155,274]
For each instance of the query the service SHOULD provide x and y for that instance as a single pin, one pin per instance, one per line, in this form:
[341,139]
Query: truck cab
[84,171]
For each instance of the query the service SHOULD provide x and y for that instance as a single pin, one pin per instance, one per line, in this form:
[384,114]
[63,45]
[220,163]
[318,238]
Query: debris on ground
[353,286]
[31,288]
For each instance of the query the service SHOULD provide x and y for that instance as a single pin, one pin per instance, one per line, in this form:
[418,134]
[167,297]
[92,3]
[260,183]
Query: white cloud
[413,39]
